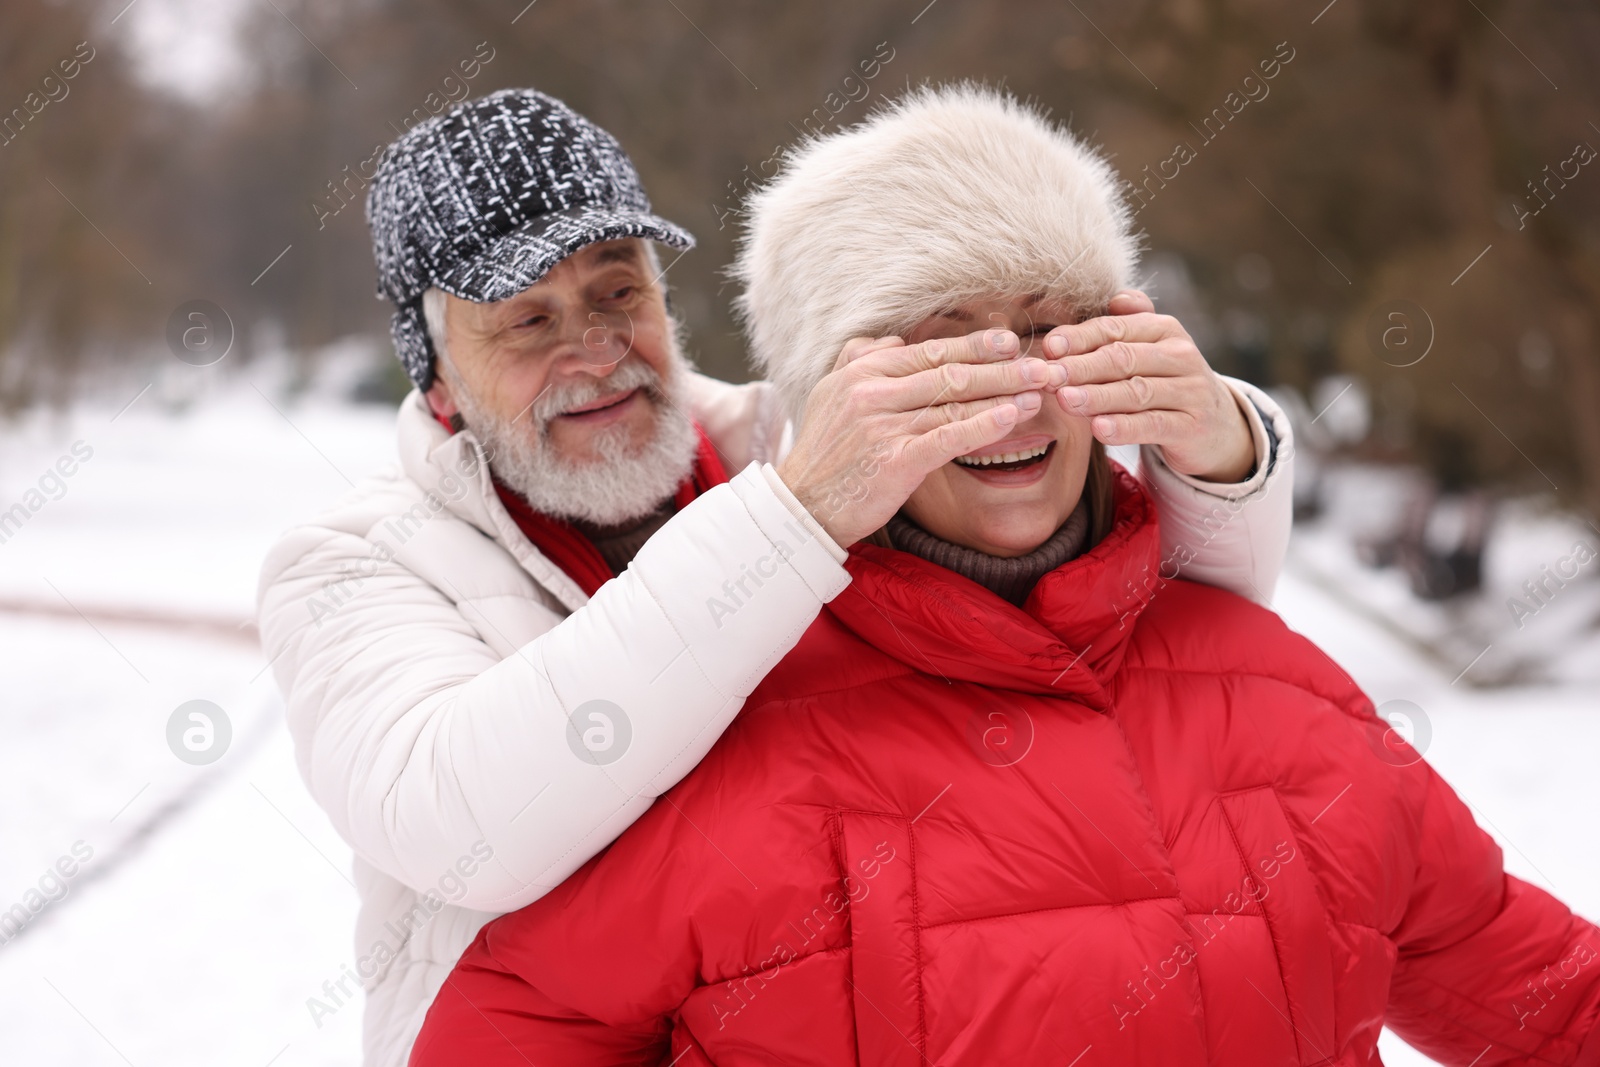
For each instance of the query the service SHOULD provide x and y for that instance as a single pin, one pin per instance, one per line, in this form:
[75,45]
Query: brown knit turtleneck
[619,544]
[1011,578]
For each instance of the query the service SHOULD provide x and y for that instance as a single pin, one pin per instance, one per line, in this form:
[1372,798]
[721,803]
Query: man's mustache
[631,373]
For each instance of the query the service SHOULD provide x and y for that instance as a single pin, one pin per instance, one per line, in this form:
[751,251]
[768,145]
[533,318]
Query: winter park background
[1397,231]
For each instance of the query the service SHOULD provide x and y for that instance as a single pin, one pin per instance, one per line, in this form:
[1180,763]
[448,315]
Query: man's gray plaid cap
[483,199]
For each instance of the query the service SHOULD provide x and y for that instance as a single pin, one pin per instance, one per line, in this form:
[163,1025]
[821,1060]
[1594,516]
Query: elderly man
[498,655]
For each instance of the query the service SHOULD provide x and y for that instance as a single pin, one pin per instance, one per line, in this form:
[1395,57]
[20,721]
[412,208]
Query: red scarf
[567,547]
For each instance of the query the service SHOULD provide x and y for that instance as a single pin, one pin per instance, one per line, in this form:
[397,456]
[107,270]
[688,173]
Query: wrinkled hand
[1141,380]
[889,414]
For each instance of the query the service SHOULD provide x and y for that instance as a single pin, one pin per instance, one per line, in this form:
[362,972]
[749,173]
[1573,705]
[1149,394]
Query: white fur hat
[948,195]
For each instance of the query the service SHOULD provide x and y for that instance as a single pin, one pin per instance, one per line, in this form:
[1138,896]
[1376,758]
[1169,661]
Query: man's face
[575,325]
[573,384]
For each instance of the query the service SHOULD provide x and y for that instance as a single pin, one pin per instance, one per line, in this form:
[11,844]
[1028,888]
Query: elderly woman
[1018,796]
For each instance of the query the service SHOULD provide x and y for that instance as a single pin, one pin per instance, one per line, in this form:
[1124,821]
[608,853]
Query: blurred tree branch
[1395,143]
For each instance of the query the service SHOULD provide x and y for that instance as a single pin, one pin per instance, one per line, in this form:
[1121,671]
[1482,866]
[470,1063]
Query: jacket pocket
[879,874]
[1279,881]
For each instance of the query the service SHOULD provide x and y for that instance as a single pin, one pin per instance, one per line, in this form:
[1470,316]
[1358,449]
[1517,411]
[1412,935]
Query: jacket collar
[736,420]
[1068,639]
[451,467]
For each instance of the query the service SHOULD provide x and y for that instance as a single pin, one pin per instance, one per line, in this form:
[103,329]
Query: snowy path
[217,899]
[204,939]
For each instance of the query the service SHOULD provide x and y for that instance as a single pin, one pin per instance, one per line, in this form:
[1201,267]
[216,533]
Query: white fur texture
[949,195]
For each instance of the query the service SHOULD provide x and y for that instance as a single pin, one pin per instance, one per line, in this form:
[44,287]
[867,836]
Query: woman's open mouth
[1014,464]
[1008,461]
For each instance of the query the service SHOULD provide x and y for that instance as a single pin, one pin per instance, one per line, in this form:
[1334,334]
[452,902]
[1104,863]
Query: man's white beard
[622,483]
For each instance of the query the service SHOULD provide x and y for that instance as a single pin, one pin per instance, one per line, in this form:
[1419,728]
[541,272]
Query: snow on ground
[215,900]
[1535,620]
[183,490]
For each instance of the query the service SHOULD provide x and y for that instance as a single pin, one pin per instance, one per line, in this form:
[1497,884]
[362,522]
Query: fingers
[1141,428]
[1130,302]
[1136,393]
[857,347]
[1124,359]
[1091,334]
[930,418]
[944,443]
[982,346]
[957,382]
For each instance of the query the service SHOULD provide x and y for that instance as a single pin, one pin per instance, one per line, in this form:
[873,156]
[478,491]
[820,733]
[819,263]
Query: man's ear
[442,402]
[441,399]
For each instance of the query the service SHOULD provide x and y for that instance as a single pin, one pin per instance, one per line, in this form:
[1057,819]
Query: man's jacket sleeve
[420,740]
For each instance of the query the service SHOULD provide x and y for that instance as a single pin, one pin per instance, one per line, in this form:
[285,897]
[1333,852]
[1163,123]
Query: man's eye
[534,320]
[622,294]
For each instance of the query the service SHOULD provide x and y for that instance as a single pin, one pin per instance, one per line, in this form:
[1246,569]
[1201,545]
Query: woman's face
[1006,508]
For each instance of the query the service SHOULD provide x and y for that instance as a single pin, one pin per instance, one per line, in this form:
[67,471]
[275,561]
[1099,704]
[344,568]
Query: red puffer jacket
[1135,823]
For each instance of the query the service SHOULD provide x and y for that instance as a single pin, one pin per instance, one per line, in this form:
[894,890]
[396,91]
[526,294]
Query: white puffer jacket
[440,672]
